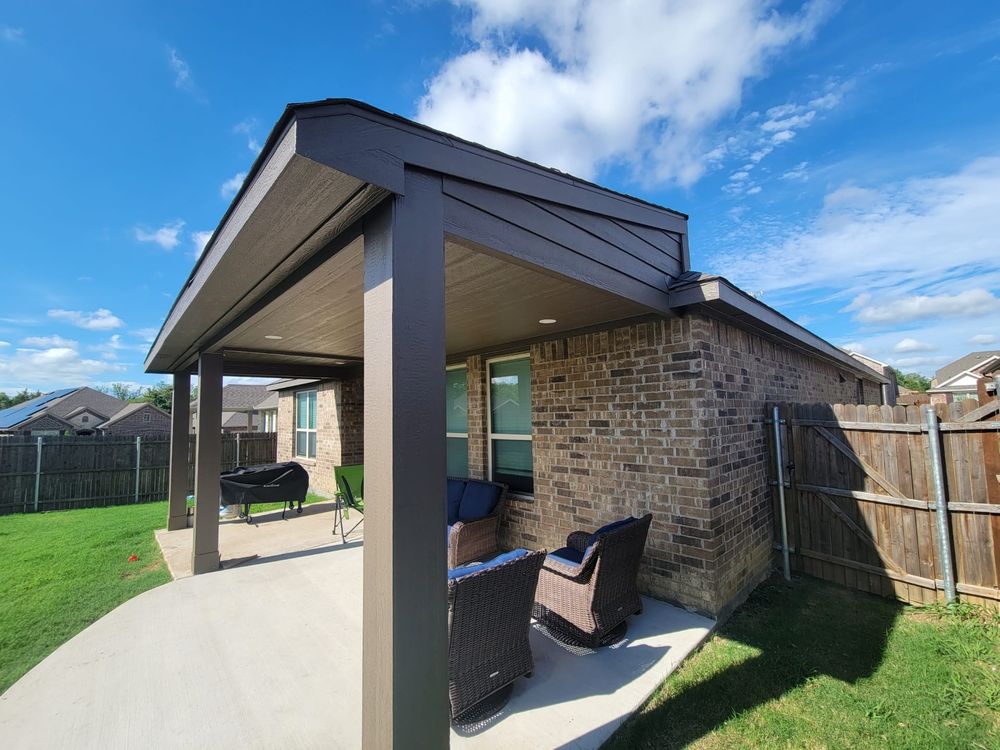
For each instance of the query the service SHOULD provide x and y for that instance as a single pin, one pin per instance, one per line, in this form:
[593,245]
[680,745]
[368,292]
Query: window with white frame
[305,424]
[457,420]
[509,413]
[147,417]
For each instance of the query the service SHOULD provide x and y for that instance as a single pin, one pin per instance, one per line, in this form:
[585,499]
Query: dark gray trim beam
[207,465]
[180,427]
[289,370]
[405,604]
[497,237]
[333,358]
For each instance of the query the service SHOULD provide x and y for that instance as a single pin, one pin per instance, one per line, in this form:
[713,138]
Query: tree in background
[18,398]
[913,380]
[122,391]
[160,395]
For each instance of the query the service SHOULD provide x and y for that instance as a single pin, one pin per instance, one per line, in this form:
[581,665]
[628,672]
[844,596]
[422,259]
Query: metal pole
[138,464]
[940,502]
[237,449]
[780,471]
[38,471]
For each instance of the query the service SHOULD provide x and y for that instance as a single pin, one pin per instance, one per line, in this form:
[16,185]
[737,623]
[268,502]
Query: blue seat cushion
[608,527]
[465,570]
[478,500]
[568,555]
[455,489]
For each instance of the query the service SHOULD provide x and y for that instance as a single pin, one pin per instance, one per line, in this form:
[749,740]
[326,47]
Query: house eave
[717,295]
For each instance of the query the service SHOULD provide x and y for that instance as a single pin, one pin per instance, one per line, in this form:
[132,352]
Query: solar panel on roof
[17,414]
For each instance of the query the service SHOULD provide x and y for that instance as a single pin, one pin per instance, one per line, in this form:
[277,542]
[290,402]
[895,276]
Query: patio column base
[206,562]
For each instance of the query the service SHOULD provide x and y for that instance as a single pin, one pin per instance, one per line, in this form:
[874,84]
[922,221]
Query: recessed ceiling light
[547,321]
[272,337]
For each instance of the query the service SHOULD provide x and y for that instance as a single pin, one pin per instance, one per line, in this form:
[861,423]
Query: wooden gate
[860,500]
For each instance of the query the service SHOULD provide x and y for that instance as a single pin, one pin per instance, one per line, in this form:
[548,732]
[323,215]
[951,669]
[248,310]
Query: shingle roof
[962,364]
[270,402]
[81,409]
[14,415]
[239,396]
[93,399]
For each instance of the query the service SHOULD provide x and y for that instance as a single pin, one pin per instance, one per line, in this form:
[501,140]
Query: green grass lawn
[811,665]
[61,571]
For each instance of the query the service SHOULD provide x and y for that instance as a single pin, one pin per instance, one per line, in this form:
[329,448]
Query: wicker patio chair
[588,588]
[474,508]
[489,619]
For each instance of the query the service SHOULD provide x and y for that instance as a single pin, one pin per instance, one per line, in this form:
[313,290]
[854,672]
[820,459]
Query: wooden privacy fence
[57,473]
[860,499]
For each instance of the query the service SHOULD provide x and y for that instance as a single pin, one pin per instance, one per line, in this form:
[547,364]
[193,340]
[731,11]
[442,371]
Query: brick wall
[742,373]
[133,424]
[339,430]
[665,417]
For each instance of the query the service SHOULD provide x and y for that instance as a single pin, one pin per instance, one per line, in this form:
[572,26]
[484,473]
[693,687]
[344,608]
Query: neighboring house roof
[961,365]
[81,409]
[45,416]
[875,364]
[240,397]
[132,409]
[269,402]
[234,418]
[15,415]
[93,399]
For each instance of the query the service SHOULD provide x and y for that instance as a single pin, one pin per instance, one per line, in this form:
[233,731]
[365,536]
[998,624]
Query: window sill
[304,460]
[520,497]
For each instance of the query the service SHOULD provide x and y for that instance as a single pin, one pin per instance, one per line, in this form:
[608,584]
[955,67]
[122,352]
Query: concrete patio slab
[268,534]
[268,654]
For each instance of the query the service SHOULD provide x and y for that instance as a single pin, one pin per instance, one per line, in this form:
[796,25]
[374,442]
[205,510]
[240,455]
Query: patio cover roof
[523,243]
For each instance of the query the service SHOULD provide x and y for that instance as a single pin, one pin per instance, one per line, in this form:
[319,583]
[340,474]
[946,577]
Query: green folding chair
[350,493]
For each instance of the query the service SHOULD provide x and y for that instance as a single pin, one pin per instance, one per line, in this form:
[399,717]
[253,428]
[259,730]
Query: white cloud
[200,240]
[11,34]
[48,368]
[180,68]
[231,186]
[968,304]
[148,335]
[912,345]
[4,343]
[924,237]
[641,84]
[43,342]
[248,128]
[167,236]
[101,319]
[984,338]
[797,173]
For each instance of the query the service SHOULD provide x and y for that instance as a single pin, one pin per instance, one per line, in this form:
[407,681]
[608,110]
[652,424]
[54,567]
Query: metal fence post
[237,449]
[38,471]
[138,464]
[940,502]
[780,471]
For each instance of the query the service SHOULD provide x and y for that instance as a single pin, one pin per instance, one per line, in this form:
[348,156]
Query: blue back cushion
[568,555]
[455,489]
[478,500]
[608,527]
[499,560]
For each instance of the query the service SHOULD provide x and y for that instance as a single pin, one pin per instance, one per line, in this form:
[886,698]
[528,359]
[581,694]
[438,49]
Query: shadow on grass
[786,634]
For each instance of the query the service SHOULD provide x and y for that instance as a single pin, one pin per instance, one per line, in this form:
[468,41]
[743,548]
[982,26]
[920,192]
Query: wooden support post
[180,421]
[207,465]
[405,645]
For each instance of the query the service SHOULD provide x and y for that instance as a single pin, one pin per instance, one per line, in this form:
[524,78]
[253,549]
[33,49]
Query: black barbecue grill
[285,483]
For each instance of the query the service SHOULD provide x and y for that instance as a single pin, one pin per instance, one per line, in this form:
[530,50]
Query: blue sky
[841,160]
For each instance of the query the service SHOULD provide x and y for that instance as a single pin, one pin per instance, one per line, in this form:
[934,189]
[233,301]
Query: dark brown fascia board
[290,383]
[719,295]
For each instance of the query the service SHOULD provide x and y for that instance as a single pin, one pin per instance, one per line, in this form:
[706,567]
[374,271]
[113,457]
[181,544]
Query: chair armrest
[578,540]
[468,540]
